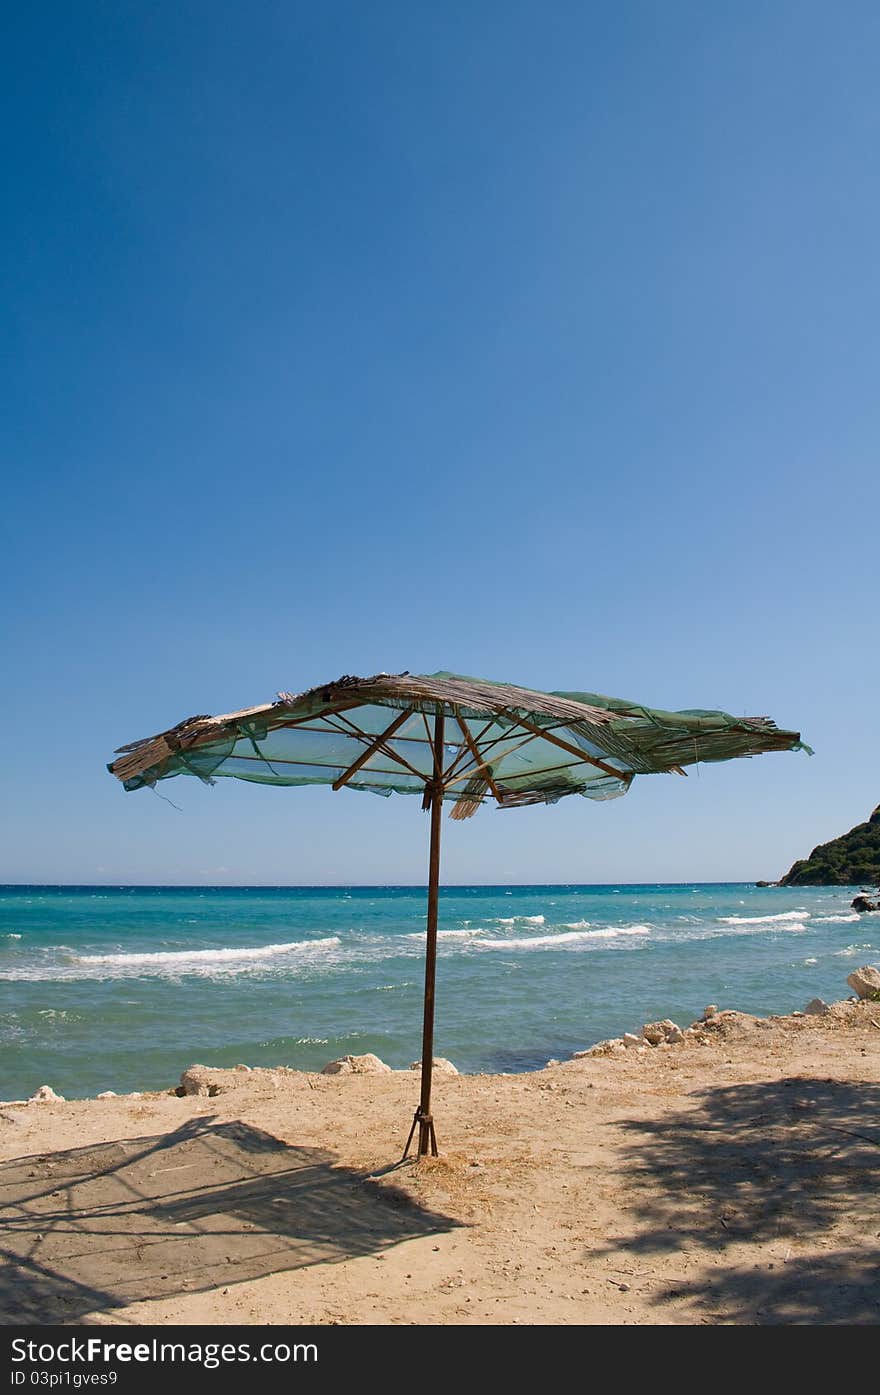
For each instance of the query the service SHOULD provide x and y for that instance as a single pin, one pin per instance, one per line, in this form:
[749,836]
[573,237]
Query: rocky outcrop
[851,860]
[440,1066]
[368,1064]
[865,982]
[863,903]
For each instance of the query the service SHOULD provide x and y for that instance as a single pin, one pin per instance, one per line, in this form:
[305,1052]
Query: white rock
[630,1041]
[601,1048]
[657,1032]
[107,1095]
[243,1068]
[710,1011]
[45,1095]
[674,1035]
[368,1064]
[444,1067]
[865,982]
[195,1080]
[817,1007]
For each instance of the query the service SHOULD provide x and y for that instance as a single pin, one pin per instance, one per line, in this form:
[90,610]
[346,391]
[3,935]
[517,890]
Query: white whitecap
[204,956]
[571,937]
[762,919]
[835,919]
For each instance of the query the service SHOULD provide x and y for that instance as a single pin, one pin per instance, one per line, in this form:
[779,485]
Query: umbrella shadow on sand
[771,1189]
[202,1207]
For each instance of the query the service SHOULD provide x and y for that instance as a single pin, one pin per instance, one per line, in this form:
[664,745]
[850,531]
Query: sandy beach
[722,1181]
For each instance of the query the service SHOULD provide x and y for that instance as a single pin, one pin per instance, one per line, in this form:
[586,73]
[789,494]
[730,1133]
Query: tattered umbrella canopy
[446,737]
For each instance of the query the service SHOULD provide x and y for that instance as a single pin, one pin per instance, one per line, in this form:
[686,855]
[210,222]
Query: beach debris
[107,1095]
[442,1066]
[368,1064]
[45,1095]
[865,982]
[864,903]
[817,1007]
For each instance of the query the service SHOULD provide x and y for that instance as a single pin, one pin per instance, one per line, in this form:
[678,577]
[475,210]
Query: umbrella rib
[377,744]
[319,765]
[572,749]
[472,747]
[385,749]
[475,770]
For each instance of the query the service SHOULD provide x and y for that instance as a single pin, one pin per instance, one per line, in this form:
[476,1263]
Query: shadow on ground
[775,1182]
[202,1207]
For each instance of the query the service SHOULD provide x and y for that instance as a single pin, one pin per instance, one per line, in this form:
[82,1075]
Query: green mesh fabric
[502,743]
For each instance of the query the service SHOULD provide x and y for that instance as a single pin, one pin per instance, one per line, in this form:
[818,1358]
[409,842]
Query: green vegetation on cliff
[854,857]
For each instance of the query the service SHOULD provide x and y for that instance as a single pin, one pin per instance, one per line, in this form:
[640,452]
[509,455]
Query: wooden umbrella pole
[423,1117]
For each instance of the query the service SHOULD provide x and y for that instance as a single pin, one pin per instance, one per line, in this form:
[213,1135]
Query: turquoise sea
[119,988]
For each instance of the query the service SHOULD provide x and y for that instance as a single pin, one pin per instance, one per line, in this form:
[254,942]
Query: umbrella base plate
[427,1137]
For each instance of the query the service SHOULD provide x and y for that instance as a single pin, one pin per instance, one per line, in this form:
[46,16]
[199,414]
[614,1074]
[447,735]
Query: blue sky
[537,342]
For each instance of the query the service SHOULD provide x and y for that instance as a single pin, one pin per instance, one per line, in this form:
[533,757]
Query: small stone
[631,1041]
[865,982]
[710,1011]
[242,1068]
[45,1095]
[624,1288]
[675,1035]
[817,1007]
[107,1095]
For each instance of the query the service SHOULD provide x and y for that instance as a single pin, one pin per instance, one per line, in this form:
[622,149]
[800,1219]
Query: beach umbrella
[447,738]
